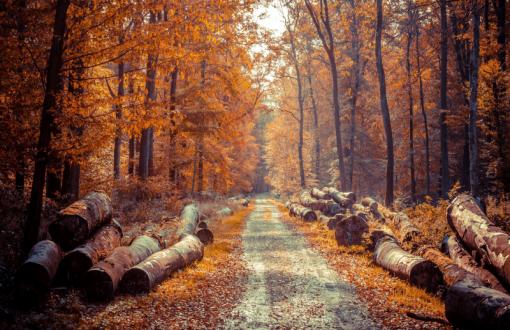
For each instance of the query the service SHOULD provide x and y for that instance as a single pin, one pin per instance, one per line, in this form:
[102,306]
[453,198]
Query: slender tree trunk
[411,104]
[473,104]
[356,72]
[329,47]
[47,119]
[384,106]
[118,130]
[316,133]
[144,165]
[423,112]
[300,101]
[445,176]
[194,170]
[71,180]
[131,164]
[200,146]
[173,131]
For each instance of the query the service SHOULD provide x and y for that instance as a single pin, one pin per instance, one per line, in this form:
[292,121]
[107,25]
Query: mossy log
[79,220]
[304,213]
[406,230]
[189,219]
[319,194]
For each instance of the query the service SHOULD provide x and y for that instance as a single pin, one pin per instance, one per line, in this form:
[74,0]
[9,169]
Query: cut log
[202,224]
[102,280]
[318,194]
[372,205]
[245,202]
[345,199]
[377,233]
[33,279]
[490,243]
[79,220]
[304,213]
[350,231]
[451,272]
[406,230]
[189,220]
[225,212]
[159,266]
[99,246]
[327,207]
[470,305]
[465,261]
[414,269]
[205,236]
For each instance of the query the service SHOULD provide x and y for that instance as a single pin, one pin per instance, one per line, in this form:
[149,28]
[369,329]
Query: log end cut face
[69,231]
[205,236]
[426,275]
[136,281]
[32,284]
[99,285]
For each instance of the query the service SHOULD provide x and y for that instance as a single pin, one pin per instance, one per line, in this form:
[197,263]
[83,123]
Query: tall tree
[53,78]
[322,24]
[473,101]
[384,106]
[409,26]
[422,107]
[443,106]
[315,113]
[118,116]
[291,21]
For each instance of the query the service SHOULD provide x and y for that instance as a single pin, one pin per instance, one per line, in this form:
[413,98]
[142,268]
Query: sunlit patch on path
[290,285]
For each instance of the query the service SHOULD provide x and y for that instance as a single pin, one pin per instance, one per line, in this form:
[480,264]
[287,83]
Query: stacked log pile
[95,258]
[153,270]
[474,265]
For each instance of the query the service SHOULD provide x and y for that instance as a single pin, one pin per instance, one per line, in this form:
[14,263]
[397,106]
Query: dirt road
[290,285]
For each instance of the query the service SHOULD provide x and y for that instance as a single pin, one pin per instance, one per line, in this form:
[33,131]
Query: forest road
[290,286]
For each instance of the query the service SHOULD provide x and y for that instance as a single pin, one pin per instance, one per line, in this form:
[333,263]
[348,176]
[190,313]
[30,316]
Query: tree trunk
[189,220]
[71,181]
[118,130]
[411,103]
[144,166]
[34,277]
[423,112]
[31,231]
[173,124]
[443,106]
[101,281]
[131,165]
[470,305]
[315,116]
[384,106]
[76,222]
[416,270]
[473,102]
[489,243]
[329,47]
[356,72]
[349,231]
[465,261]
[99,246]
[156,268]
